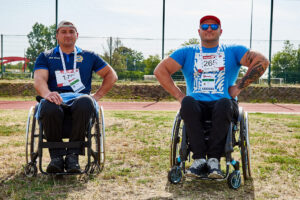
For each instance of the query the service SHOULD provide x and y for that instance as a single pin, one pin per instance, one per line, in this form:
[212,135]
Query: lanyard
[63,60]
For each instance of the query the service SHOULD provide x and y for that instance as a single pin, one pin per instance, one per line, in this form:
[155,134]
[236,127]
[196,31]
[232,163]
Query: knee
[224,106]
[49,109]
[83,104]
[188,105]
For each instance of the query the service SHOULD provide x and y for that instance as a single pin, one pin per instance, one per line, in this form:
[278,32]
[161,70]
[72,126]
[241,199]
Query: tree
[133,58]
[151,63]
[186,43]
[41,38]
[122,58]
[286,64]
[191,42]
[112,56]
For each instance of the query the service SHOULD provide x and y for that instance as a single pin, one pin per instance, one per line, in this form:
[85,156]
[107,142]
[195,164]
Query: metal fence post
[110,49]
[1,55]
[270,44]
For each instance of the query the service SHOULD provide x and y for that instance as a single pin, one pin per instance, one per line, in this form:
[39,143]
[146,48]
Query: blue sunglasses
[212,26]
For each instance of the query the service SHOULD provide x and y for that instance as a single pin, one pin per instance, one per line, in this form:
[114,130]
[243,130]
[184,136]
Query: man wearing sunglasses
[210,70]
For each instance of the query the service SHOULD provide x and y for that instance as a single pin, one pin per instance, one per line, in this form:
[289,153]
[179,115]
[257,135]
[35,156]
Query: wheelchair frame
[180,151]
[94,142]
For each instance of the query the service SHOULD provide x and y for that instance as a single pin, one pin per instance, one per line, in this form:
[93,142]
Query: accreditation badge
[69,79]
[75,82]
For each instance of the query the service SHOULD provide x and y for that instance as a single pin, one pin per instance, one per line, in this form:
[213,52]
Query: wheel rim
[28,131]
[98,137]
[175,140]
[30,170]
[102,139]
[31,136]
[244,146]
[236,180]
[248,145]
[176,175]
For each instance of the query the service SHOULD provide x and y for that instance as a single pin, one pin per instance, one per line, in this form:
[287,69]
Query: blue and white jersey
[209,72]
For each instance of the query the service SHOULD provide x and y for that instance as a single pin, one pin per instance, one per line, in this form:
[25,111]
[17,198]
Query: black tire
[102,138]
[175,175]
[245,147]
[175,140]
[98,143]
[30,170]
[32,131]
[234,180]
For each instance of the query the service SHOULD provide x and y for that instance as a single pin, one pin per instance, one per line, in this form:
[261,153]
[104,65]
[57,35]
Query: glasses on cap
[212,26]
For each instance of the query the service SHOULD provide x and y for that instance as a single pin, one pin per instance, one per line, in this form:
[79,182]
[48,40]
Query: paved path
[167,106]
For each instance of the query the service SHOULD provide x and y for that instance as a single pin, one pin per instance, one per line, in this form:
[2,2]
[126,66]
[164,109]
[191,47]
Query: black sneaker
[71,163]
[56,165]
[197,169]
[214,170]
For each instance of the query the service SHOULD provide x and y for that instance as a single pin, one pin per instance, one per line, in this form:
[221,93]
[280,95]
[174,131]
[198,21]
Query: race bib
[69,79]
[209,73]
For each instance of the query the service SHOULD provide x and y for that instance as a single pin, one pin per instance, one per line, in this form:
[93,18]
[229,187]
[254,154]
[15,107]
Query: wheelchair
[180,150]
[94,143]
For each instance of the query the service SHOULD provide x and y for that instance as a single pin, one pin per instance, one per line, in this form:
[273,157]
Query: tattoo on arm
[252,76]
[257,66]
[250,56]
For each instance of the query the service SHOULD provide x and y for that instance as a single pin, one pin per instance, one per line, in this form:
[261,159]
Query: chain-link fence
[16,45]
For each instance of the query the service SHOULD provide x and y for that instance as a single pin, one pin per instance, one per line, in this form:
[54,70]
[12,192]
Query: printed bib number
[69,79]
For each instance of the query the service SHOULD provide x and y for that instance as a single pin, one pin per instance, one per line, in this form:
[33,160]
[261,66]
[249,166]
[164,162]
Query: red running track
[167,106]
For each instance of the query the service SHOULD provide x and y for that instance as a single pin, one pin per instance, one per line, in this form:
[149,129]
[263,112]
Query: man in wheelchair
[210,70]
[62,77]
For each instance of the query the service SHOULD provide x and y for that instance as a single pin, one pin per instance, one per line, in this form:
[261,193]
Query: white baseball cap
[66,23]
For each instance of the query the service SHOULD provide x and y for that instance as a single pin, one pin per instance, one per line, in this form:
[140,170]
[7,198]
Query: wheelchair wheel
[30,170]
[98,142]
[245,147]
[175,140]
[175,175]
[31,143]
[234,180]
[32,133]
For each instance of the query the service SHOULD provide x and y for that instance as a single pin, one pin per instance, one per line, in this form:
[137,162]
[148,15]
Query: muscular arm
[41,86]
[163,73]
[257,65]
[109,78]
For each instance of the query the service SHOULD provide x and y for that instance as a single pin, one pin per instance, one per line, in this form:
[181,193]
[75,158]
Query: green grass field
[137,162]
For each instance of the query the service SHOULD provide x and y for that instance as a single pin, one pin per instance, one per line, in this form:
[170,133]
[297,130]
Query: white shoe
[196,168]
[214,169]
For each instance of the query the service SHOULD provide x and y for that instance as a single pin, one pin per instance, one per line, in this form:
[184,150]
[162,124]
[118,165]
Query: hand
[96,97]
[234,91]
[54,97]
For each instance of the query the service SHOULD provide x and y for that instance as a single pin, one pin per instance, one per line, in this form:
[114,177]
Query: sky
[138,23]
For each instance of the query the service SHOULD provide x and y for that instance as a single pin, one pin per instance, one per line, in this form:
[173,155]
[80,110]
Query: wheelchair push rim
[245,147]
[101,140]
[31,139]
[98,148]
[175,140]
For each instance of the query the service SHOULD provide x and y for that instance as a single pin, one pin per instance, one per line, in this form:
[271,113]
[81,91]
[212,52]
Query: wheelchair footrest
[61,145]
